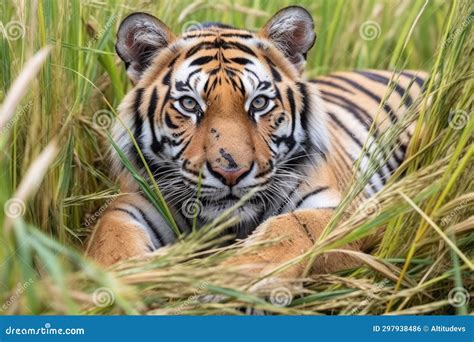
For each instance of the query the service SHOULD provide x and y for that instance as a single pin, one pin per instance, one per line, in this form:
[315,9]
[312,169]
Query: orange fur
[228,135]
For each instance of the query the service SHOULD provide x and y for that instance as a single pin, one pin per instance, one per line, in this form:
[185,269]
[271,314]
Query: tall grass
[53,163]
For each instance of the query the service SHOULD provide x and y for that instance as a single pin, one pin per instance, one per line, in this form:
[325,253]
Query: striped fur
[230,108]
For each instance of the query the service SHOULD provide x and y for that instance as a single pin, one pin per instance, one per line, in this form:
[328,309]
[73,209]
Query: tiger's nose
[229,176]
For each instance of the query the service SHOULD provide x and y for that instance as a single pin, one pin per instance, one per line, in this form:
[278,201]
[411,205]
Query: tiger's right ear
[139,39]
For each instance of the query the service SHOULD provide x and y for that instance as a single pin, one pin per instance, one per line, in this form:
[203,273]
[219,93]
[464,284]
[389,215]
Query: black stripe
[202,60]
[171,141]
[183,86]
[170,123]
[196,48]
[278,95]
[165,100]
[238,35]
[241,60]
[270,147]
[195,173]
[333,85]
[203,186]
[345,129]
[288,140]
[238,46]
[351,107]
[358,142]
[356,110]
[386,81]
[420,81]
[287,200]
[402,149]
[128,212]
[253,73]
[276,74]
[138,126]
[309,194]
[178,155]
[388,109]
[138,100]
[173,61]
[206,86]
[191,74]
[155,145]
[305,100]
[264,85]
[304,115]
[150,224]
[198,35]
[291,100]
[167,78]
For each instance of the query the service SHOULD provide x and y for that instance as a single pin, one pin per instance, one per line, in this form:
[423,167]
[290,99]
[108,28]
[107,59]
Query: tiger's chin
[249,216]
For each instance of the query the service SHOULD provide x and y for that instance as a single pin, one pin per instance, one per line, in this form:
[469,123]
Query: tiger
[220,113]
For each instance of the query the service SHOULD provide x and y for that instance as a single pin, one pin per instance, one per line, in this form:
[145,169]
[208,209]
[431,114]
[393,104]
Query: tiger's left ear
[140,38]
[292,31]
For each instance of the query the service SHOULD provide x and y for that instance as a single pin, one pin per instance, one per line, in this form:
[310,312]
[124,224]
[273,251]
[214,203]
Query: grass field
[54,178]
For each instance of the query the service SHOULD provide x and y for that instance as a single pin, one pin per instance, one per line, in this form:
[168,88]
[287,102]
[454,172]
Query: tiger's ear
[139,38]
[292,31]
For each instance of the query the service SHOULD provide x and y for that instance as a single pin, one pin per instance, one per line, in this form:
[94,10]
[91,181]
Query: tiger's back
[355,101]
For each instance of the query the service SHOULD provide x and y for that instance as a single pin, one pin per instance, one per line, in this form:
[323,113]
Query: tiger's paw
[281,239]
[115,239]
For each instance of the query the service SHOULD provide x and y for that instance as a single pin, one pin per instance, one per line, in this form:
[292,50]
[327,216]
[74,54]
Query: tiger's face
[222,110]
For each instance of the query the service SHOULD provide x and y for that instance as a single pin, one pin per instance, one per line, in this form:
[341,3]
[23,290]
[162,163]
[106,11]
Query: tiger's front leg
[130,227]
[295,233]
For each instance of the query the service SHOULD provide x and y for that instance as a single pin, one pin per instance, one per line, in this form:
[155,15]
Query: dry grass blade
[389,271]
[439,231]
[21,85]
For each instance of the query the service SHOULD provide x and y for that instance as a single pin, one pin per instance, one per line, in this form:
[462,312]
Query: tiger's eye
[188,103]
[259,102]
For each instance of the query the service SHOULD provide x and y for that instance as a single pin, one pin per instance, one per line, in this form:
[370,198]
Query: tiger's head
[221,109]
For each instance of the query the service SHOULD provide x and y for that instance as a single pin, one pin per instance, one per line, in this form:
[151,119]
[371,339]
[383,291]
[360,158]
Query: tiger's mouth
[230,198]
[248,211]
